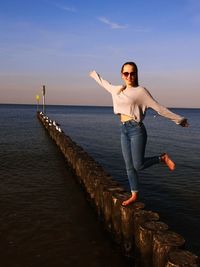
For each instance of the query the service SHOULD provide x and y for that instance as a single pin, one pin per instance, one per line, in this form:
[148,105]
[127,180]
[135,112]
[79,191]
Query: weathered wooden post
[182,258]
[163,243]
[107,203]
[146,232]
[100,185]
[127,226]
[127,229]
[117,199]
[43,98]
[141,217]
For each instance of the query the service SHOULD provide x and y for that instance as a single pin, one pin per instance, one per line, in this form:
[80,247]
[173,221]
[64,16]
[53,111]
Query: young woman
[130,102]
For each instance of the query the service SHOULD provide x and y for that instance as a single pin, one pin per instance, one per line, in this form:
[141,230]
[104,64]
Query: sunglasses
[126,74]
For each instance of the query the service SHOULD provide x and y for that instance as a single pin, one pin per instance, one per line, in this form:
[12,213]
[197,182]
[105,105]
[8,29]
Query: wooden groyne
[138,232]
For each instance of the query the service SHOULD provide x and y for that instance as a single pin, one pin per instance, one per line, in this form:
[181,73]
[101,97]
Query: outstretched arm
[165,112]
[105,84]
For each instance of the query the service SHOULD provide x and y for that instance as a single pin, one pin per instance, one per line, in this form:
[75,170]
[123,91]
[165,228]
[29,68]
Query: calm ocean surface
[175,195]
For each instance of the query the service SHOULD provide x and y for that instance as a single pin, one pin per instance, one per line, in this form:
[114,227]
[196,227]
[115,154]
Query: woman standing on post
[130,102]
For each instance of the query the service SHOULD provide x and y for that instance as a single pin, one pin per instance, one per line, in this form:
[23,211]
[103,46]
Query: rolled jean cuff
[134,191]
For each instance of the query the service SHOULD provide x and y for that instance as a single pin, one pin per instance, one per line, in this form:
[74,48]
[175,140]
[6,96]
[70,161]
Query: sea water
[174,195]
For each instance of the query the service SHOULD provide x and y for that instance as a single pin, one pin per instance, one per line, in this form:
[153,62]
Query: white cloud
[112,25]
[66,8]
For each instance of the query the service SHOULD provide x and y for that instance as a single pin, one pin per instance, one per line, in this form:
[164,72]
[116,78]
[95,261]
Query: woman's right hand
[184,123]
[92,73]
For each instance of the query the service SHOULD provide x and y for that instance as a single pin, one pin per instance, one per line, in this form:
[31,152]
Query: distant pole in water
[43,94]
[38,100]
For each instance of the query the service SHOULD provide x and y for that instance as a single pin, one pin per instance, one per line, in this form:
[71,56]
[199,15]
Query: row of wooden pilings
[138,232]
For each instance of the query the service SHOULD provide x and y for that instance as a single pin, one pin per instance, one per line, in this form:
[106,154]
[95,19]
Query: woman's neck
[131,85]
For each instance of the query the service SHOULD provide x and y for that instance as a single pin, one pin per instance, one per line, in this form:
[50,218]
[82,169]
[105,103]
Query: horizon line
[76,105]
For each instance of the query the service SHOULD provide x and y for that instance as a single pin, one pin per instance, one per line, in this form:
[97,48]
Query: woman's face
[129,75]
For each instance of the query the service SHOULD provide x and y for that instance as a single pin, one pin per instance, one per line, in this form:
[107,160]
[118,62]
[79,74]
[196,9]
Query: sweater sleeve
[105,84]
[161,110]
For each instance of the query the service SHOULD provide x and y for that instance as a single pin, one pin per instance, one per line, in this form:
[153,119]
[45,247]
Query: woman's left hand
[184,123]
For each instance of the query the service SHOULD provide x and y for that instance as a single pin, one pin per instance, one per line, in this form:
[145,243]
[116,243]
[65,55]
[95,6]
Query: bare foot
[133,198]
[167,161]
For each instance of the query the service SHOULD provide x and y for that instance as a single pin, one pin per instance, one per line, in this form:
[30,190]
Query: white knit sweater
[134,101]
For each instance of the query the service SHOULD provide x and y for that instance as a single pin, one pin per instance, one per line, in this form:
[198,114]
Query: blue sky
[57,43]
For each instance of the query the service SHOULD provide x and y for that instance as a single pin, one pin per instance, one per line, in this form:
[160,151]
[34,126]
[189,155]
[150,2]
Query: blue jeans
[133,143]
